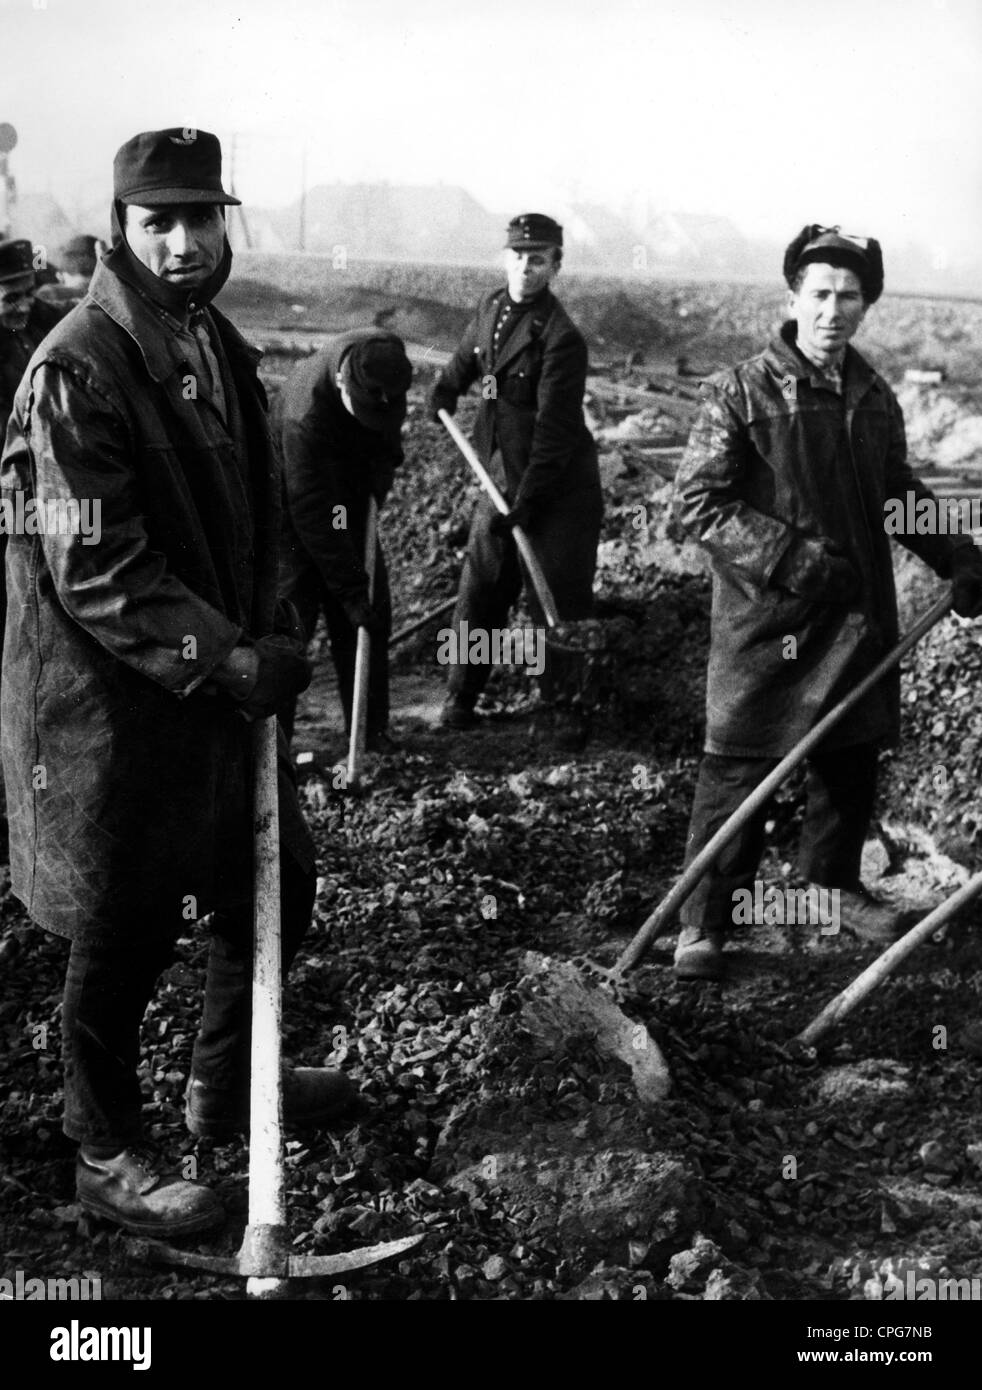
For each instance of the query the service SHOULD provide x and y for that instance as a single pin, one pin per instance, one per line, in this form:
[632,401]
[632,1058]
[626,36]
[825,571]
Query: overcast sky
[771,112]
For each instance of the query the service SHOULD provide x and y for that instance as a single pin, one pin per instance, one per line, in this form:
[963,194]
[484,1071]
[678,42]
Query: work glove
[966,581]
[813,567]
[282,671]
[504,523]
[441,398]
[360,613]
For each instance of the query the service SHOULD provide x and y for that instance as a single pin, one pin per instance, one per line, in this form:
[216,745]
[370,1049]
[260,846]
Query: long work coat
[127,783]
[529,427]
[777,454]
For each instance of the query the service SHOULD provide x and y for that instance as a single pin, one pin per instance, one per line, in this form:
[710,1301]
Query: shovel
[542,591]
[659,919]
[264,1257]
[359,702]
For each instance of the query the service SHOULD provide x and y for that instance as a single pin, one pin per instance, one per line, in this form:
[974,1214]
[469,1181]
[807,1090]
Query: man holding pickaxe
[790,469]
[135,658]
[339,419]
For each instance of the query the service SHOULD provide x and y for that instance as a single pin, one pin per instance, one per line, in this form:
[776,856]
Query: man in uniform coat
[786,482]
[339,418]
[530,362]
[134,667]
[24,320]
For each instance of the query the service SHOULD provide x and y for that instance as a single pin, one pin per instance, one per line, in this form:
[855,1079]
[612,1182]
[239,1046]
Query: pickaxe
[264,1257]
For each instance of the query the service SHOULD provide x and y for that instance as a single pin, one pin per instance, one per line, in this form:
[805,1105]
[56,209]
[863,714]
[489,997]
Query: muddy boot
[312,1096]
[699,954]
[135,1190]
[570,729]
[866,917]
[457,712]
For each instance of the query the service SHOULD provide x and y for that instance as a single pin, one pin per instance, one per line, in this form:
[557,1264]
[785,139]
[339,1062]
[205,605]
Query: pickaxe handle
[267,1202]
[707,856]
[359,702]
[885,964]
[532,566]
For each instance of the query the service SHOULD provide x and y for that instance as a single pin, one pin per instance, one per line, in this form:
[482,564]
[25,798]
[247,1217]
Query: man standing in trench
[791,462]
[131,666]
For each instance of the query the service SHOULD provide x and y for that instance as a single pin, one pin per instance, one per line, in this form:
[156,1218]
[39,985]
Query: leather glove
[966,581]
[282,670]
[504,524]
[814,568]
[441,398]
[360,613]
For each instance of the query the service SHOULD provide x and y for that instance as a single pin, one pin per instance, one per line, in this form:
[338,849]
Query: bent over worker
[339,419]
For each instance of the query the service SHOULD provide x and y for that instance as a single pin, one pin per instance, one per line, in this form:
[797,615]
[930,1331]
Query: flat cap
[379,375]
[830,246]
[533,231]
[179,165]
[16,259]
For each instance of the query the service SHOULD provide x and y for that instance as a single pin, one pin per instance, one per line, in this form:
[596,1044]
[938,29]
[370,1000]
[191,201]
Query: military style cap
[533,231]
[830,246]
[180,165]
[16,260]
[378,376]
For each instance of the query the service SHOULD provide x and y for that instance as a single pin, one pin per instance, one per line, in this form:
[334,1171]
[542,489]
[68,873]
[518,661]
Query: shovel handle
[655,924]
[884,965]
[359,701]
[535,573]
[418,623]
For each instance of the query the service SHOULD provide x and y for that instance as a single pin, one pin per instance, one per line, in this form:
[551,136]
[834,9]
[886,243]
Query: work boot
[699,954]
[136,1191]
[457,712]
[381,742]
[866,917]
[570,729]
[312,1096]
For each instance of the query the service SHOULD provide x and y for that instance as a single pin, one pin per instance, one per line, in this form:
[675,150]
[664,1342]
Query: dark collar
[783,357]
[154,329]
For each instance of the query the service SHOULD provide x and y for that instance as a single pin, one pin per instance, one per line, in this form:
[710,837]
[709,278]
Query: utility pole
[8,139]
[243,223]
[302,228]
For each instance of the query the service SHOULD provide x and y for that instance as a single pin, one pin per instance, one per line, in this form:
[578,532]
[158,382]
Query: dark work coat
[529,430]
[330,461]
[16,350]
[127,783]
[775,454]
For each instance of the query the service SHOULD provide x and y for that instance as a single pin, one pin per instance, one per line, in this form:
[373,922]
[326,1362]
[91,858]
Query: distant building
[397,221]
[697,240]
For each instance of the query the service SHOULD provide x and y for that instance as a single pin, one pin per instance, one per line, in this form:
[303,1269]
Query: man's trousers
[564,537]
[312,597]
[840,794]
[108,988]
